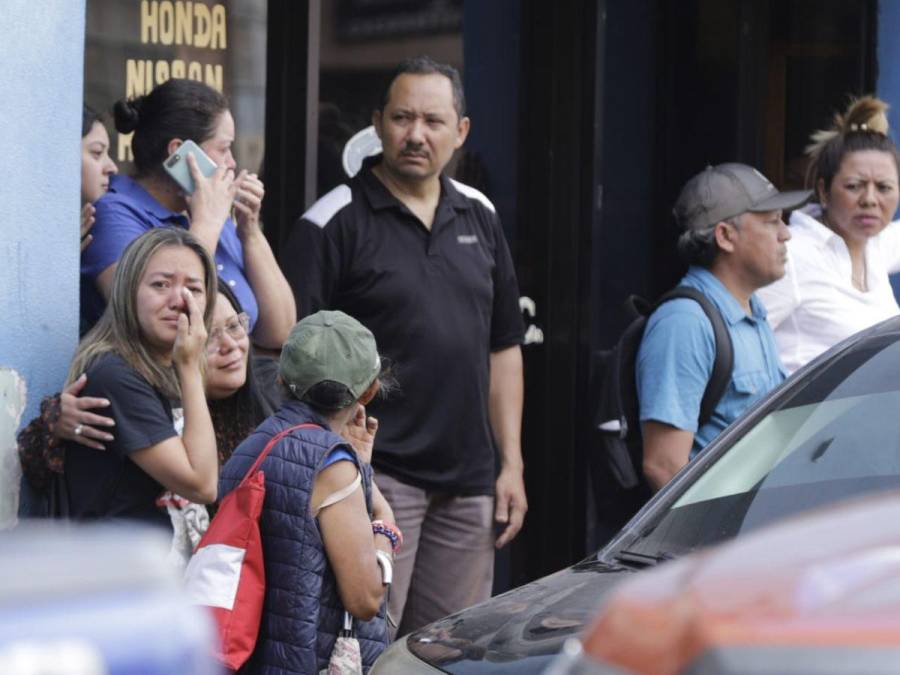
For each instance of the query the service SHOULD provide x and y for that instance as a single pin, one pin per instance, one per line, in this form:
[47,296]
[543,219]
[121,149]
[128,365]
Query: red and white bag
[226,572]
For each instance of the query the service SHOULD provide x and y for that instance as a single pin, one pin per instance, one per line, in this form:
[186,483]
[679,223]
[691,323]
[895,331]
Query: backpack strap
[271,444]
[339,495]
[724,363]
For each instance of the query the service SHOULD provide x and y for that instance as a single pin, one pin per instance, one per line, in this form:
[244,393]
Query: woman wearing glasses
[237,399]
[237,403]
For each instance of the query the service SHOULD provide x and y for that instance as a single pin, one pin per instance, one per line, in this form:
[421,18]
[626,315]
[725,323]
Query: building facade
[587,117]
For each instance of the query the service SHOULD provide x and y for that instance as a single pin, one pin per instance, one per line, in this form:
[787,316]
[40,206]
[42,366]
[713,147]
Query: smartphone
[177,167]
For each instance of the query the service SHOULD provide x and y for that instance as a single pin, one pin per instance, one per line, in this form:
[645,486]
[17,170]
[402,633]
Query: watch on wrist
[386,565]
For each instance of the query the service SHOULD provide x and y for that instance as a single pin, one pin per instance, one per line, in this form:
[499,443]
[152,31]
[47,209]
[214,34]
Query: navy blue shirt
[125,213]
[676,357]
[108,484]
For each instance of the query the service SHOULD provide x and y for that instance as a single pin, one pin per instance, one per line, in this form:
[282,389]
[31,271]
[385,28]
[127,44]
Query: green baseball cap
[329,346]
[721,192]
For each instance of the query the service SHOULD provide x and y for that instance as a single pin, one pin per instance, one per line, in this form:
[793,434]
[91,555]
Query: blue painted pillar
[888,55]
[888,85]
[42,45]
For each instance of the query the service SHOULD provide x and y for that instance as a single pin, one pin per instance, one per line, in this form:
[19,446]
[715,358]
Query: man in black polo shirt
[421,260]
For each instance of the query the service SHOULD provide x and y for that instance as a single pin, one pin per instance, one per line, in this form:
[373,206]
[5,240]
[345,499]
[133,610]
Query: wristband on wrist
[390,531]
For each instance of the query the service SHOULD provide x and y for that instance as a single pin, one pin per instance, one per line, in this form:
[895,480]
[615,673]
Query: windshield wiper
[642,559]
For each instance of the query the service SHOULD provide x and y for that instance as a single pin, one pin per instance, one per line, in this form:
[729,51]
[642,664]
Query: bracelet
[390,531]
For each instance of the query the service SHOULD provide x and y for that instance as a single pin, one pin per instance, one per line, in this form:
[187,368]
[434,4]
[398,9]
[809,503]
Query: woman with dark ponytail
[844,245]
[222,213]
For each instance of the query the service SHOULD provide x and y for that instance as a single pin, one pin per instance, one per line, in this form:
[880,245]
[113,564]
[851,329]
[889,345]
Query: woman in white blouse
[843,247]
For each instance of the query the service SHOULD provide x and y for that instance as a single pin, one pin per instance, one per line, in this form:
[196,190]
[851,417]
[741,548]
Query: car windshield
[835,434]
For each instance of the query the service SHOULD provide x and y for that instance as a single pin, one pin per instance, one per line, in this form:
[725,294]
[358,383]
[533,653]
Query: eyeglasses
[236,327]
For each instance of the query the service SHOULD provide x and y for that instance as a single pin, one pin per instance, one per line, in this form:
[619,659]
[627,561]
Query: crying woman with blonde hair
[843,245]
[146,357]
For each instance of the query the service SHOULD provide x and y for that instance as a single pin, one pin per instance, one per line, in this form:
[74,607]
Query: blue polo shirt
[125,213]
[676,356]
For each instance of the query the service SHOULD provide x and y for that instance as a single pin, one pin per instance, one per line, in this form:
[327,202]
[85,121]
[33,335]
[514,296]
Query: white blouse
[815,305]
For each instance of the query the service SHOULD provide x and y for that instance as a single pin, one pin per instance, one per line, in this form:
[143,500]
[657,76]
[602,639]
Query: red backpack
[226,572]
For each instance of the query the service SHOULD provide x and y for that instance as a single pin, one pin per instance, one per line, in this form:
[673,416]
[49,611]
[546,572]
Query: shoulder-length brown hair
[119,331]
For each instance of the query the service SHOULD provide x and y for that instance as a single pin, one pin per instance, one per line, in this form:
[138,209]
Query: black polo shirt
[438,303]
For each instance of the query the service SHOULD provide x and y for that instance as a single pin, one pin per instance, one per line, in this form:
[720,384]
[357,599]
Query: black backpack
[619,448]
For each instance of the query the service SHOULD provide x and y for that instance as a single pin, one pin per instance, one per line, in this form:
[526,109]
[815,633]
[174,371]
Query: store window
[820,54]
[133,45]
[361,44]
[363,41]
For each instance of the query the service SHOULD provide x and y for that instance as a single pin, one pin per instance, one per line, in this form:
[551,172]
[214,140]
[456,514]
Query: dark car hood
[519,631]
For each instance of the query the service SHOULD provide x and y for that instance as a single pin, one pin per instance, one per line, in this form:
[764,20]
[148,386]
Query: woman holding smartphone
[172,113]
[145,356]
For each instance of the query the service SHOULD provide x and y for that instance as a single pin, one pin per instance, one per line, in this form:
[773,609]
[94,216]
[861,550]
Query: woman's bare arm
[349,542]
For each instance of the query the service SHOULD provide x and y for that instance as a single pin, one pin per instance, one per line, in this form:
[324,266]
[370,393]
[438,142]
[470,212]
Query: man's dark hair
[425,65]
[699,247]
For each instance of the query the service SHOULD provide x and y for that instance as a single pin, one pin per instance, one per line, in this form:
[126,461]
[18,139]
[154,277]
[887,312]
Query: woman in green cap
[328,535]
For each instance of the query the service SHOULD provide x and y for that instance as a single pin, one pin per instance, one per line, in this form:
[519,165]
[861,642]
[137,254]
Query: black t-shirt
[107,484]
[438,302]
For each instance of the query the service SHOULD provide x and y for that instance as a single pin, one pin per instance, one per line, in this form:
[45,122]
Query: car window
[836,435]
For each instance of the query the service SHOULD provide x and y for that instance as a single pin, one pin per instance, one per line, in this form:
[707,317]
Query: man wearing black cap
[734,241]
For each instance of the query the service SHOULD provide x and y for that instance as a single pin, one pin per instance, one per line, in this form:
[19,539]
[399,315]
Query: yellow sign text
[183,23]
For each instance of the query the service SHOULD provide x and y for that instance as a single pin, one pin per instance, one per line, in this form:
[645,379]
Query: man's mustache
[416,150]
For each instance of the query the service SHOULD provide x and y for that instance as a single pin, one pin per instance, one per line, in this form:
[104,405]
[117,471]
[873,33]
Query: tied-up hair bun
[127,114]
[864,126]
[864,115]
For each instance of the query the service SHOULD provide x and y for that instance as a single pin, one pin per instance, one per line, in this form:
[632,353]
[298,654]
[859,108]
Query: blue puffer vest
[302,612]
